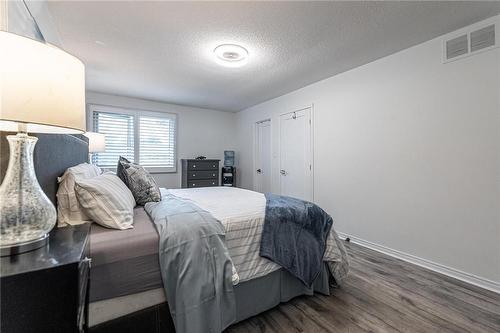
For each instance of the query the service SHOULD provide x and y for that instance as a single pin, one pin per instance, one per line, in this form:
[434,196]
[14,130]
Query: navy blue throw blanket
[294,236]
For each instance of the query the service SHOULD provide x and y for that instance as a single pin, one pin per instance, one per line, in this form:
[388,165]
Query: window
[144,137]
[157,141]
[119,132]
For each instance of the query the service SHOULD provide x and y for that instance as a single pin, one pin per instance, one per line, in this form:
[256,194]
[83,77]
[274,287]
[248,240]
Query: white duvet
[242,214]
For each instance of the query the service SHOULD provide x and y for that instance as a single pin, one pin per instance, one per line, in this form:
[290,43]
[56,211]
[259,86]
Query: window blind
[144,137]
[157,142]
[119,132]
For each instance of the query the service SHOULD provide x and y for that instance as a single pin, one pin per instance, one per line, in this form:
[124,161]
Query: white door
[296,154]
[263,156]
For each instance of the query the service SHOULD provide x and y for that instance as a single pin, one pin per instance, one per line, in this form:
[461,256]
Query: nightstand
[46,290]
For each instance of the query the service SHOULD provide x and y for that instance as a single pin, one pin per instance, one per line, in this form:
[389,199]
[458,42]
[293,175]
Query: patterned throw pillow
[139,181]
[119,169]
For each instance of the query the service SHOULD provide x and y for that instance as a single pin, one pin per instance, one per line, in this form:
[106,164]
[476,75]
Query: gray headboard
[54,153]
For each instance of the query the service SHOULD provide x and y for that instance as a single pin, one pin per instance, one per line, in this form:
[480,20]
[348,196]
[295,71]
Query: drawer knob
[213,175]
[88,261]
[194,165]
[194,175]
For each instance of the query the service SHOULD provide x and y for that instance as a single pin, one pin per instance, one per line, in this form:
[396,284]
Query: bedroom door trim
[256,152]
[311,161]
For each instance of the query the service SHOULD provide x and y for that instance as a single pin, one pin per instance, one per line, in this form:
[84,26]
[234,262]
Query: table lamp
[97,143]
[42,90]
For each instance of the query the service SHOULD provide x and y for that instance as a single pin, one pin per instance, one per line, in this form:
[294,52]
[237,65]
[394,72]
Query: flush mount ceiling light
[231,55]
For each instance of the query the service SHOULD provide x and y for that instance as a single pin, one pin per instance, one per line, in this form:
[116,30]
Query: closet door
[296,154]
[263,157]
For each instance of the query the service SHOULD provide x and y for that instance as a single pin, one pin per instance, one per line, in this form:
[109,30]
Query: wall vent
[482,38]
[457,46]
[471,40]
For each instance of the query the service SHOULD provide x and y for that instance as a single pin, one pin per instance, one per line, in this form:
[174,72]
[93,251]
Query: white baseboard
[452,272]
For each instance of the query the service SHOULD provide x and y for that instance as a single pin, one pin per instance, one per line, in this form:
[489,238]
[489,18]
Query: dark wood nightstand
[46,290]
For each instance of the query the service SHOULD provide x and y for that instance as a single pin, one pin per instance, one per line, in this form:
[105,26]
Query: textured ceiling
[163,50]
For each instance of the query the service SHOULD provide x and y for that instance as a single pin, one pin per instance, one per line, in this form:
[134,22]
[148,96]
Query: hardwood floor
[384,294]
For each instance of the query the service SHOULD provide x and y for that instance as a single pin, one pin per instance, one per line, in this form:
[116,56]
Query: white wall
[200,131]
[406,154]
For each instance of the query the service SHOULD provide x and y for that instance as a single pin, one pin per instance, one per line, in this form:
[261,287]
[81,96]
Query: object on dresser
[46,290]
[140,182]
[43,91]
[200,173]
[200,158]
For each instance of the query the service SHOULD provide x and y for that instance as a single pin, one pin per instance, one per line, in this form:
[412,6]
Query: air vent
[482,38]
[456,47]
[469,41]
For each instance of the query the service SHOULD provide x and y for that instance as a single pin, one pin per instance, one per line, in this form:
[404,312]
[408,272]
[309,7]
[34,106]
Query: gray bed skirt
[252,298]
[259,295]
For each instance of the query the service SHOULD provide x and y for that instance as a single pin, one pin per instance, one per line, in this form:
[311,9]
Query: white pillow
[68,208]
[107,201]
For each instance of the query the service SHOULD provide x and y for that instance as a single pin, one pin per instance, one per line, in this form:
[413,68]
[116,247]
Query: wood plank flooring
[384,294]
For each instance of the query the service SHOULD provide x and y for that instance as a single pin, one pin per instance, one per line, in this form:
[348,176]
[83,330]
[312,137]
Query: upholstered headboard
[54,153]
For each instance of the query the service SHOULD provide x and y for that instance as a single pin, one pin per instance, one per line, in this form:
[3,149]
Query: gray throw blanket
[195,266]
[294,236]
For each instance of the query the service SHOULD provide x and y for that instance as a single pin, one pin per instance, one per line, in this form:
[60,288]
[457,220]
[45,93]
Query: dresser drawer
[194,175]
[202,183]
[203,165]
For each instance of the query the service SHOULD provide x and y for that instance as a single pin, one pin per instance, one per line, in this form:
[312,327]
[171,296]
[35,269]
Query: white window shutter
[157,142]
[119,132]
[144,137]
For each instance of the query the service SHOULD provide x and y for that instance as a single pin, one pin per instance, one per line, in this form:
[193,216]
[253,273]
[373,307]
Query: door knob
[283,172]
[259,171]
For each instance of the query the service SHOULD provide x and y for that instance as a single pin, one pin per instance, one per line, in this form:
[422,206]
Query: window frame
[136,113]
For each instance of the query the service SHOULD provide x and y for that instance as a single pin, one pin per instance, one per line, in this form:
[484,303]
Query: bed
[115,253]
[125,276]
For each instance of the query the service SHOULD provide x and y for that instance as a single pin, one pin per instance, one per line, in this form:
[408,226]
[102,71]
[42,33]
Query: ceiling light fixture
[231,55]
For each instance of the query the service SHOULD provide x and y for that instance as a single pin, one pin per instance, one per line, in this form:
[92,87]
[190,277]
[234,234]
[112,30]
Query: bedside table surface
[66,246]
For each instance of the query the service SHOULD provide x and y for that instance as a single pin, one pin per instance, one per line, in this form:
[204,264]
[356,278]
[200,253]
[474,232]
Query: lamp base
[14,249]
[27,214]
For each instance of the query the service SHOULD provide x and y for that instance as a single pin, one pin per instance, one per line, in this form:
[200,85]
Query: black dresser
[46,290]
[200,173]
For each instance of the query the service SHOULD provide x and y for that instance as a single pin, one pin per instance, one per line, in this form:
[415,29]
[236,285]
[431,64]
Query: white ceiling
[163,50]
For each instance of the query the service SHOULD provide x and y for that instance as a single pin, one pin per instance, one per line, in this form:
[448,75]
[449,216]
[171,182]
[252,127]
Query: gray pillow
[119,169]
[139,181]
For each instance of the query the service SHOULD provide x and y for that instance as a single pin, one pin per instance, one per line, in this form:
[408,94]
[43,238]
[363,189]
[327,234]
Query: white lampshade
[41,87]
[97,142]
